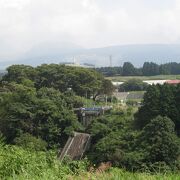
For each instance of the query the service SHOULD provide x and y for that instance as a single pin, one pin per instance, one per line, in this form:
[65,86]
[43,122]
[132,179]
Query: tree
[17,73]
[128,69]
[159,141]
[168,103]
[159,100]
[44,114]
[110,71]
[106,89]
[150,69]
[150,106]
[164,69]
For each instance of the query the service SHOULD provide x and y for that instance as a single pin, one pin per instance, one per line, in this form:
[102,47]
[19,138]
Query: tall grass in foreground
[20,164]
[17,163]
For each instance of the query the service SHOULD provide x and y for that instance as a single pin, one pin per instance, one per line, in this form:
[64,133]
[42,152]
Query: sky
[87,23]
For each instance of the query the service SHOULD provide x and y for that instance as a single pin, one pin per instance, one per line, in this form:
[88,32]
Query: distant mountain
[49,52]
[66,52]
[138,54]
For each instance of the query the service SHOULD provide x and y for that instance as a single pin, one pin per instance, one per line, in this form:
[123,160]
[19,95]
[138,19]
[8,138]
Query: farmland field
[159,77]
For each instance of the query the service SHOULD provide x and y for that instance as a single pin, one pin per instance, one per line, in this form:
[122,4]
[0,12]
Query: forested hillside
[37,117]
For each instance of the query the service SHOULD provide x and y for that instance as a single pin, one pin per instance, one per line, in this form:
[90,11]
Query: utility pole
[106,100]
[110,61]
[86,99]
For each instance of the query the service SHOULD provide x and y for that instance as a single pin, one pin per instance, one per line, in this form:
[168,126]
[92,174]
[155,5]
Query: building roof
[155,82]
[173,81]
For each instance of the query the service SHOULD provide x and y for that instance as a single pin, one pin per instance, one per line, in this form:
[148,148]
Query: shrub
[30,142]
[133,85]
[159,142]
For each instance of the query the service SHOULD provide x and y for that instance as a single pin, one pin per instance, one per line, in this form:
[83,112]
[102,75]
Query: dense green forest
[83,82]
[148,69]
[40,101]
[36,118]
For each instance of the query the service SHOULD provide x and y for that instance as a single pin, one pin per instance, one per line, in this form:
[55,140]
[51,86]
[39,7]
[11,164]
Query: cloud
[89,23]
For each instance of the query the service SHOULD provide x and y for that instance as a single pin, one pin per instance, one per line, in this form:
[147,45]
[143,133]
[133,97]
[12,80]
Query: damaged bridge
[76,146]
[87,115]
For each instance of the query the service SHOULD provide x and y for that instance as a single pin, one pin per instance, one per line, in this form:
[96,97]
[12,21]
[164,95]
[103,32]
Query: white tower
[74,60]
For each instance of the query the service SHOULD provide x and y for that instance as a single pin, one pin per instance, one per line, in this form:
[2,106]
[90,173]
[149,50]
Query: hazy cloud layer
[88,23]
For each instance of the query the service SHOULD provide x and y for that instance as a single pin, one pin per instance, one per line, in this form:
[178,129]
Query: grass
[19,164]
[159,77]
[119,174]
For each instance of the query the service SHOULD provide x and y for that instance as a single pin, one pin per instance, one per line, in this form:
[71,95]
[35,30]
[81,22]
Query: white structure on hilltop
[77,64]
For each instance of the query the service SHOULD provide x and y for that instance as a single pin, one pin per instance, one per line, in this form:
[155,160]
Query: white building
[155,82]
[117,83]
[78,65]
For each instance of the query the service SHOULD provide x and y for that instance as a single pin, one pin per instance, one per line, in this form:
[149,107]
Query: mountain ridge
[137,54]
